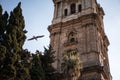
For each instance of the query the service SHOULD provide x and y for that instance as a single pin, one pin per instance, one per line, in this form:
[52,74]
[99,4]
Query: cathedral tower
[78,25]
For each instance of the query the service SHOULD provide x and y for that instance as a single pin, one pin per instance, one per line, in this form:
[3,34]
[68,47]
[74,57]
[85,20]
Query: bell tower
[78,25]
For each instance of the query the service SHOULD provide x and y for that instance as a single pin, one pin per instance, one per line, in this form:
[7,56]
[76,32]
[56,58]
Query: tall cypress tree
[16,30]
[3,22]
[1,39]
[3,25]
[13,40]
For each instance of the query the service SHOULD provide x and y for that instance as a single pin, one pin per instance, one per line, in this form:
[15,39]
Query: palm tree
[71,65]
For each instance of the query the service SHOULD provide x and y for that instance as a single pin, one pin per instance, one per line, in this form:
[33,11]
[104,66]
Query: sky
[38,16]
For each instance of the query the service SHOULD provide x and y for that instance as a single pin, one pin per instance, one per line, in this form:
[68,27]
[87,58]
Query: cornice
[80,19]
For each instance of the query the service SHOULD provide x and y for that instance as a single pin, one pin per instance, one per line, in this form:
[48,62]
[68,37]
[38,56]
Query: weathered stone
[83,31]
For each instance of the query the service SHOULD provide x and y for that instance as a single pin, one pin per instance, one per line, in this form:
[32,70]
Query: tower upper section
[65,10]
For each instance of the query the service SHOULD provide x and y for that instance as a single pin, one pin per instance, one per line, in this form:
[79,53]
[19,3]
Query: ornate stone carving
[83,31]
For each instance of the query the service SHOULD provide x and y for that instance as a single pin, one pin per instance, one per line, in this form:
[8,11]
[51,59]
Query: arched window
[65,12]
[73,8]
[79,8]
[71,37]
[58,9]
[72,40]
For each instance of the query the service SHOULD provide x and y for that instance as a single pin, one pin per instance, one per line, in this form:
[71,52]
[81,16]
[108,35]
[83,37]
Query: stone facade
[78,25]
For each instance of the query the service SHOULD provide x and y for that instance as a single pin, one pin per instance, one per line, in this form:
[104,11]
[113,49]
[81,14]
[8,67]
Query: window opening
[72,40]
[65,12]
[71,37]
[58,9]
[79,8]
[73,9]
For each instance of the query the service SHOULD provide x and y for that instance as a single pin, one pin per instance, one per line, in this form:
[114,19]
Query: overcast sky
[38,15]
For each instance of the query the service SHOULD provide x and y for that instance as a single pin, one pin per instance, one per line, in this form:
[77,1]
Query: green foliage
[71,65]
[12,38]
[41,68]
[23,66]
[0,10]
[8,72]
[22,72]
[2,53]
[15,29]
[47,59]
[3,24]
[36,70]
[26,58]
[19,64]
